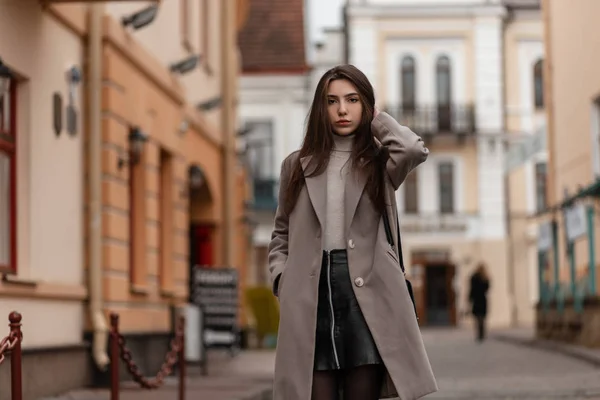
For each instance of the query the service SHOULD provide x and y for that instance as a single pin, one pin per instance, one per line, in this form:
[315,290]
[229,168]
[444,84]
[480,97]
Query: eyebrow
[348,95]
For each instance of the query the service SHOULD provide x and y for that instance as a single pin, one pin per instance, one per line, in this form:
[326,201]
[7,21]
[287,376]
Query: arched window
[538,84]
[443,80]
[408,79]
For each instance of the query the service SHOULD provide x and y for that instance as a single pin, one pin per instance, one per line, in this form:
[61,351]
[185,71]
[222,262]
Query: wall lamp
[137,139]
[5,76]
[196,176]
[210,104]
[186,65]
[141,18]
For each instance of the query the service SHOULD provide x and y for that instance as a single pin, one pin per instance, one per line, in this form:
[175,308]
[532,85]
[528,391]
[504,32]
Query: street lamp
[5,77]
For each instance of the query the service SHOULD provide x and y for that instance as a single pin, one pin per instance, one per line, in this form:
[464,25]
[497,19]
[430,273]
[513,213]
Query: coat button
[351,243]
[359,282]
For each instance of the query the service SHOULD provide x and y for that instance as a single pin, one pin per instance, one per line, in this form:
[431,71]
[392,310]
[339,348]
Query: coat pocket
[281,278]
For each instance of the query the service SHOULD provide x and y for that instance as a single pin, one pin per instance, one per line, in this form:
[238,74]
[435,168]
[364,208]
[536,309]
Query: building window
[443,80]
[541,175]
[166,204]
[205,39]
[186,25]
[596,137]
[408,80]
[411,195]
[538,83]
[8,180]
[137,223]
[446,188]
[260,149]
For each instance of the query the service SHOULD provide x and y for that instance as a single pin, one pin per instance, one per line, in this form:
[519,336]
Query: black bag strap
[390,237]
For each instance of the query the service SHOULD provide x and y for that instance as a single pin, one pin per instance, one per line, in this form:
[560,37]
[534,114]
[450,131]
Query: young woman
[347,321]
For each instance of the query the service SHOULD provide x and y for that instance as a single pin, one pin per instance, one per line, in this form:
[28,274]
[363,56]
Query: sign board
[545,236]
[215,291]
[521,152]
[575,222]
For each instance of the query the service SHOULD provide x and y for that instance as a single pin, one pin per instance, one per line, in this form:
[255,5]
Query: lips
[343,122]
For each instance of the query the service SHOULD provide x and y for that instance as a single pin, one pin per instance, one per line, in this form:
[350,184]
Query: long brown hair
[366,157]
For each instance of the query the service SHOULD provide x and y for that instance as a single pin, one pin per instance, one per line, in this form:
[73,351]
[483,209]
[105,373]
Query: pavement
[247,376]
[510,364]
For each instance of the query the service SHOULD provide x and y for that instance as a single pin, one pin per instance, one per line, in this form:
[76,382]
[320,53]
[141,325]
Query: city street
[499,370]
[493,370]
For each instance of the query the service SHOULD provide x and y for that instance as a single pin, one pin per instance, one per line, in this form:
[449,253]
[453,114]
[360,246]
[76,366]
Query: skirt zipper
[335,354]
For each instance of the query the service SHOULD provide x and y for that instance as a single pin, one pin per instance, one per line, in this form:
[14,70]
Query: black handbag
[390,239]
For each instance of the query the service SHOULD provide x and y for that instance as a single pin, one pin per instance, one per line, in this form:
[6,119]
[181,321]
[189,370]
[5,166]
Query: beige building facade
[569,235]
[111,210]
[526,157]
[453,72]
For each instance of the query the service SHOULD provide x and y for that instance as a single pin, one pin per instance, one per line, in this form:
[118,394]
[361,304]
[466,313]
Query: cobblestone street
[499,370]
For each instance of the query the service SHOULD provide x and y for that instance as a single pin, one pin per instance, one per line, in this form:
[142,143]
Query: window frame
[205,38]
[10,149]
[541,185]
[186,25]
[137,218]
[411,188]
[538,81]
[452,188]
[408,71]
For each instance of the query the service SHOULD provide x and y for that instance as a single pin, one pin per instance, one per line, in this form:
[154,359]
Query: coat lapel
[355,184]
[317,190]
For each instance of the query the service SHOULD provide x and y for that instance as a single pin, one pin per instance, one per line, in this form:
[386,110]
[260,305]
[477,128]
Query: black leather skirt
[343,338]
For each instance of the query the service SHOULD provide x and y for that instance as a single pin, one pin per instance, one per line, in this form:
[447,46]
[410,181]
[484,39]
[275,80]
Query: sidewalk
[247,376]
[526,337]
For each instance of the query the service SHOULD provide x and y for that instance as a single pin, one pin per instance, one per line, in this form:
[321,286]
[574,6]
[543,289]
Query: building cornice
[426,11]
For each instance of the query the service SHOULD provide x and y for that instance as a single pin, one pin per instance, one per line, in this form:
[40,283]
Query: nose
[342,109]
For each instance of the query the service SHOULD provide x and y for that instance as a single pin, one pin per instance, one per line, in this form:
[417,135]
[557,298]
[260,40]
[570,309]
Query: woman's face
[343,107]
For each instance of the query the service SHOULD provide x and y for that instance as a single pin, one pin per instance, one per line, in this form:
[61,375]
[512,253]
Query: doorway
[439,297]
[201,245]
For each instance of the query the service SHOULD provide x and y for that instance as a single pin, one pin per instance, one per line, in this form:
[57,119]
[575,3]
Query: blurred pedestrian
[480,285]
[347,321]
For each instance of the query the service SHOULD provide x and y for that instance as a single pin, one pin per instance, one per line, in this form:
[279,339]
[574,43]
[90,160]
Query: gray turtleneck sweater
[337,172]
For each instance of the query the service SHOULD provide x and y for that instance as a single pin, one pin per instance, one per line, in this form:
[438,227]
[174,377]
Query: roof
[272,40]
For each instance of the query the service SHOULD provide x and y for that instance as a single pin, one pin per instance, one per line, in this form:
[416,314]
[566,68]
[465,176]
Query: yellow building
[568,232]
[108,211]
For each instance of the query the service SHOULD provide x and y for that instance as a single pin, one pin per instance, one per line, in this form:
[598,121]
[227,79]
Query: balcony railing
[425,224]
[435,120]
[265,194]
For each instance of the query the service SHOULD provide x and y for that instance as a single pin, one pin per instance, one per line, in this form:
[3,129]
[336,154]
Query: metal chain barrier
[165,369]
[8,343]
[120,350]
[12,344]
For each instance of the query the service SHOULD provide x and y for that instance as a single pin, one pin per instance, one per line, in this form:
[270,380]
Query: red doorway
[201,245]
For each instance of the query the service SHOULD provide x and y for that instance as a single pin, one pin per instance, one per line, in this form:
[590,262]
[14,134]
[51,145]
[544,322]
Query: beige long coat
[295,255]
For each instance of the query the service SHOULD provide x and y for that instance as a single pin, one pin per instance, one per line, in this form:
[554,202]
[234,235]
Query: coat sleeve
[405,147]
[278,246]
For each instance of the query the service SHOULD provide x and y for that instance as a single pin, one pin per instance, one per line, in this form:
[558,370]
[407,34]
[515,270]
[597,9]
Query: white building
[461,74]
[275,97]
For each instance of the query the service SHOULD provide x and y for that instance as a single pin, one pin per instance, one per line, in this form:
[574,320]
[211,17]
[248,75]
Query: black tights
[360,383]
